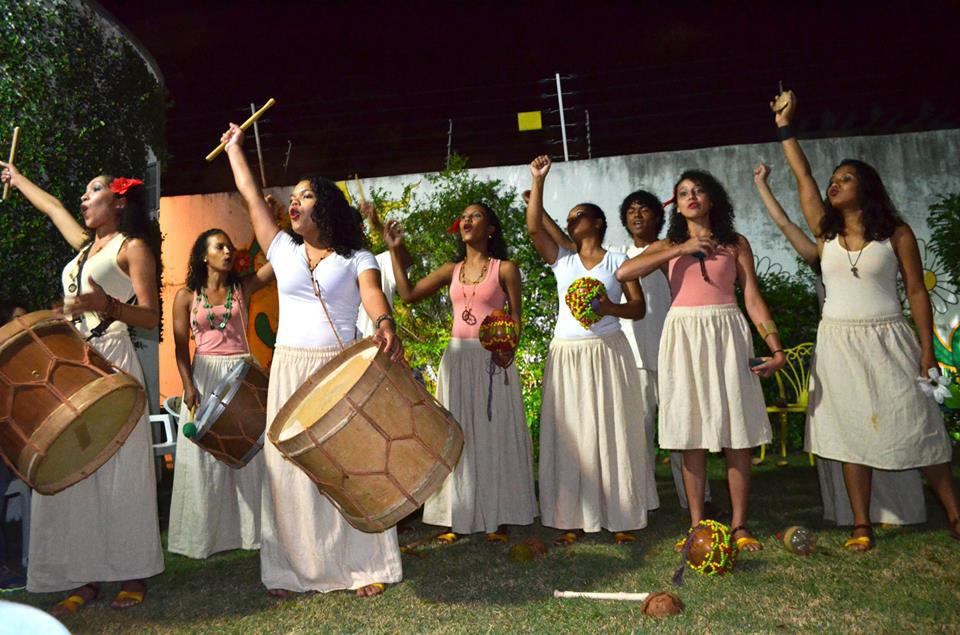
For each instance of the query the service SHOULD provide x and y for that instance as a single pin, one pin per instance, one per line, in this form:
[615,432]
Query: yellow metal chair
[793,386]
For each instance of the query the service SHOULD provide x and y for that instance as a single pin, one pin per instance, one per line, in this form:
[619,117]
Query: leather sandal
[623,538]
[745,543]
[129,598]
[371,590]
[566,539]
[860,544]
[448,538]
[68,606]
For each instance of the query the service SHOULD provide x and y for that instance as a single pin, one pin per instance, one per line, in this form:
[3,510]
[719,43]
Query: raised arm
[369,211]
[257,280]
[72,231]
[758,311]
[430,284]
[911,269]
[261,217]
[659,254]
[545,245]
[810,201]
[181,341]
[798,239]
[556,232]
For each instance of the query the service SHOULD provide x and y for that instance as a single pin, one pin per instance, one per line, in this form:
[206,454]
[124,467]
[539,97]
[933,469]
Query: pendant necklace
[467,315]
[853,262]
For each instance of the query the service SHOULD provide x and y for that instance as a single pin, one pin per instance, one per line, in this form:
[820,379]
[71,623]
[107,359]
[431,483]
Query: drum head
[93,436]
[216,402]
[331,389]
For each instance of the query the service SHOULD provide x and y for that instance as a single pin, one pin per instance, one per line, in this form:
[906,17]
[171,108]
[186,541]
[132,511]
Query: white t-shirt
[303,322]
[644,335]
[388,282]
[567,268]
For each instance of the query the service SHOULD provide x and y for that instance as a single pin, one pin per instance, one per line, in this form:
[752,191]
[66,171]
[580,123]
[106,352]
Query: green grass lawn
[910,582]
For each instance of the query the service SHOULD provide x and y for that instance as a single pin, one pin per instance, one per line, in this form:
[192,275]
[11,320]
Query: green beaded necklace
[211,318]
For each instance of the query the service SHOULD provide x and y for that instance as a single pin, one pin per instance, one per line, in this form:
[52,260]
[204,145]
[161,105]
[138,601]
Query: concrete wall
[916,168]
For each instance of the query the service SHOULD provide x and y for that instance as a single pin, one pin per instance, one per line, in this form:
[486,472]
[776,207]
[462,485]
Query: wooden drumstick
[13,156]
[246,124]
[363,195]
[623,597]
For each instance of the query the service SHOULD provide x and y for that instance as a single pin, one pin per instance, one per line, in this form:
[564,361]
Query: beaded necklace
[220,324]
[467,316]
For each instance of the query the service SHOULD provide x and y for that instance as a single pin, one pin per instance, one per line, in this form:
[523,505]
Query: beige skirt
[492,484]
[306,545]
[709,399]
[595,468]
[104,528]
[865,404]
[213,507]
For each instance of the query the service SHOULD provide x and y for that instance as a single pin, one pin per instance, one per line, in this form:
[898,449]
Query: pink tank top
[690,289]
[475,301]
[204,323]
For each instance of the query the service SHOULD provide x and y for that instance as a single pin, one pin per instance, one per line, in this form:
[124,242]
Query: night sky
[370,88]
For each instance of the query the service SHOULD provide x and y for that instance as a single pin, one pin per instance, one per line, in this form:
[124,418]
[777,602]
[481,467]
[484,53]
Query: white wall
[916,168]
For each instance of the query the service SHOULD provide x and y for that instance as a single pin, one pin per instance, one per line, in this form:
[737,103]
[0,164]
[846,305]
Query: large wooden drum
[64,409]
[232,419]
[375,442]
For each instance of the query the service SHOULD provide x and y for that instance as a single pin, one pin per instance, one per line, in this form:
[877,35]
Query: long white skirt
[213,507]
[595,467]
[306,545]
[865,404]
[896,498]
[492,484]
[104,528]
[709,399]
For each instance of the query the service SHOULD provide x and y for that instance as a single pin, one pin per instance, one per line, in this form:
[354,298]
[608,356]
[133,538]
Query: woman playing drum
[214,507]
[492,485]
[323,275]
[104,528]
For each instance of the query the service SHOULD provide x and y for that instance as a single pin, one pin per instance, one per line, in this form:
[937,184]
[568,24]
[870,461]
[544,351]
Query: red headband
[454,228]
[121,185]
[670,202]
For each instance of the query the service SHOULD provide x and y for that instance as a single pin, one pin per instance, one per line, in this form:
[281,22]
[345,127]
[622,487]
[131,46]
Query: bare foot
[371,590]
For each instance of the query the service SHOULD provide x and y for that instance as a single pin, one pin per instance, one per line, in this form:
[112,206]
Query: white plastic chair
[164,439]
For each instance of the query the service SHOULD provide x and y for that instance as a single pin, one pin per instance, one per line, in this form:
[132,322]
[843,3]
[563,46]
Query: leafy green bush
[425,326]
[86,104]
[944,223]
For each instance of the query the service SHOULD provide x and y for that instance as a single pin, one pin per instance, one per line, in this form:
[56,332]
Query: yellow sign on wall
[529,120]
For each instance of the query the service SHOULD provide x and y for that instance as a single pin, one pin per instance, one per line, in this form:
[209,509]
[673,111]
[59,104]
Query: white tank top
[105,271]
[872,292]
